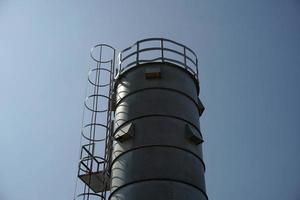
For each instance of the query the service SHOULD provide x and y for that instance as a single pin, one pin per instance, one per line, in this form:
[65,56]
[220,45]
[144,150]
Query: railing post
[184,53]
[137,52]
[162,50]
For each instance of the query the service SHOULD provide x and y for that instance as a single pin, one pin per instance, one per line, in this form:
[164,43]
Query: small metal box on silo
[157,146]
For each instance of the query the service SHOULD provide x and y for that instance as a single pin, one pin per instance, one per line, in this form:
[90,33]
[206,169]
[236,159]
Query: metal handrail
[188,62]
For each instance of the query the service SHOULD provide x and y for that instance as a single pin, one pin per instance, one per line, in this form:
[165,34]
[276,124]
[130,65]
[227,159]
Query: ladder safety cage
[96,143]
[159,50]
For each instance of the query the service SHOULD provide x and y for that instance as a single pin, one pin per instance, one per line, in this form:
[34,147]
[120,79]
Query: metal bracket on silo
[193,135]
[125,133]
[200,107]
[152,72]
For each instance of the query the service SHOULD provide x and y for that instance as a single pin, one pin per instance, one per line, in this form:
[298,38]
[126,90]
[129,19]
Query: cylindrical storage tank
[157,147]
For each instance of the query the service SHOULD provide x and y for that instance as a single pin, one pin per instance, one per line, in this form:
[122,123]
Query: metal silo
[157,142]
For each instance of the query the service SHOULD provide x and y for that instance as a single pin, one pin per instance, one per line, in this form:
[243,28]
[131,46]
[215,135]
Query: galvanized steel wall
[157,151]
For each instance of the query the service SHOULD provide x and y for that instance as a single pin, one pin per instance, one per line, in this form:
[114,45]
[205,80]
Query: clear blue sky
[249,55]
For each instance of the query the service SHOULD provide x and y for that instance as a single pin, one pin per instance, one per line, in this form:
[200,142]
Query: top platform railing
[159,50]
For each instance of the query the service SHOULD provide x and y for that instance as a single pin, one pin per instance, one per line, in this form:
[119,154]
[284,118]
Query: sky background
[249,57]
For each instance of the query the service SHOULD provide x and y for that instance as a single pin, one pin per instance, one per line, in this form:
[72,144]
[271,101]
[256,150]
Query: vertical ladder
[97,123]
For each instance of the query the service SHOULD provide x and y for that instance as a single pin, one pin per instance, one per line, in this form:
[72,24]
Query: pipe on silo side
[157,151]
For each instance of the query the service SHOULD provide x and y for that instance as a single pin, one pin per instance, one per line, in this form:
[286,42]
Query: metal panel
[97,181]
[174,78]
[156,163]
[158,131]
[156,102]
[152,72]
[158,190]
